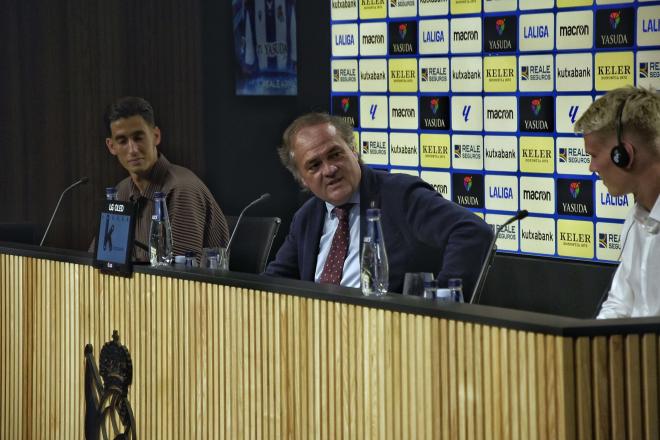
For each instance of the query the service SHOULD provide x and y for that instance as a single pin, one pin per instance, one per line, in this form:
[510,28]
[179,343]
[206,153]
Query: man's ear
[111,146]
[157,137]
[631,153]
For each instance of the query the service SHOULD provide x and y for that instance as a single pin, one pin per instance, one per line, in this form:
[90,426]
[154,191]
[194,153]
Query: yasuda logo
[467,183]
[615,19]
[572,113]
[500,26]
[372,111]
[466,112]
[574,188]
[345,104]
[403,30]
[433,105]
[536,106]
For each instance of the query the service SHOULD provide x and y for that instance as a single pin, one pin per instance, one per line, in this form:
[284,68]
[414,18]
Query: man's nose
[592,167]
[132,146]
[329,169]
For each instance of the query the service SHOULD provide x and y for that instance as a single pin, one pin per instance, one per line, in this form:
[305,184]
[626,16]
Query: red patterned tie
[334,264]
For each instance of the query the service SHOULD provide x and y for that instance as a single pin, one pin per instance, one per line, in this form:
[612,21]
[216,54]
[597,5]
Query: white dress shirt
[351,274]
[635,289]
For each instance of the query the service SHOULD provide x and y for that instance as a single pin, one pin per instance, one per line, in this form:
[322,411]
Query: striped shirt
[197,220]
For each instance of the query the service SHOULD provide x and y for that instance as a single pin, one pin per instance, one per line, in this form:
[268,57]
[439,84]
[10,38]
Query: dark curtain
[62,64]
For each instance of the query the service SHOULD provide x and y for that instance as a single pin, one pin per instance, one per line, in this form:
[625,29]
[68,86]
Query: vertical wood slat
[583,388]
[649,386]
[239,363]
[599,364]
[617,397]
[632,385]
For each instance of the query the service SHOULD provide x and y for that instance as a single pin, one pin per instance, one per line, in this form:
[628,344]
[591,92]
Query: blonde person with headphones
[622,136]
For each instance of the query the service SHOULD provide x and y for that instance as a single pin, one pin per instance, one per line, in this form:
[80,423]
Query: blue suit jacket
[423,232]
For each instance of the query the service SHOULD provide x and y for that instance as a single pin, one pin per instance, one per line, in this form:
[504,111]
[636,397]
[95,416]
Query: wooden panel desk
[232,355]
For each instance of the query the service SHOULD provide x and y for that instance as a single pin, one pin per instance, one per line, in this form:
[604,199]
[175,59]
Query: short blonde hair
[285,151]
[641,115]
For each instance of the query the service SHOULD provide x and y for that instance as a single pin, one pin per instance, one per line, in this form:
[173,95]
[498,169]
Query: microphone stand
[70,187]
[240,216]
[481,280]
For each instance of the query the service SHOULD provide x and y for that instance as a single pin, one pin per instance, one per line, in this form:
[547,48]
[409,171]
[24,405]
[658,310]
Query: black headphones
[619,155]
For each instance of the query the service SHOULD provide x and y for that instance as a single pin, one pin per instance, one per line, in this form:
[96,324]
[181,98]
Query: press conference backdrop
[479,98]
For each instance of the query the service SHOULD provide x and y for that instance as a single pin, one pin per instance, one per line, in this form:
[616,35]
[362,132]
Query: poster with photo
[265,47]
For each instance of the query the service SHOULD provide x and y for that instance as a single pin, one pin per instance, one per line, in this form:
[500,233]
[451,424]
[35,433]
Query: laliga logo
[434,105]
[615,19]
[536,106]
[466,112]
[345,104]
[575,189]
[403,30]
[500,25]
[372,111]
[467,183]
[572,113]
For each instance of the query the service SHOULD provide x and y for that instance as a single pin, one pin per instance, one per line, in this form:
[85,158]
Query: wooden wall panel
[213,361]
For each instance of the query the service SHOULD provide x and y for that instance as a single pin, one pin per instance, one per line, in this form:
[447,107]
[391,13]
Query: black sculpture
[105,400]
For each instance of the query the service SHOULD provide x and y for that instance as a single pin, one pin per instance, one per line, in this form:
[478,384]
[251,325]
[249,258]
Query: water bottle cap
[111,189]
[373,213]
[430,284]
[455,282]
[159,195]
[190,254]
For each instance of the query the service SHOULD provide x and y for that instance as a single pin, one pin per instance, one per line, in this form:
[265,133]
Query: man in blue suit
[423,232]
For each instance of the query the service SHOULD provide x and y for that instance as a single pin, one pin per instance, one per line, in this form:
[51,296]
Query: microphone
[485,267]
[240,216]
[81,181]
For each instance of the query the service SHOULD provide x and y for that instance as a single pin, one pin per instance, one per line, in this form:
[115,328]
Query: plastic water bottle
[160,233]
[374,268]
[456,288]
[111,193]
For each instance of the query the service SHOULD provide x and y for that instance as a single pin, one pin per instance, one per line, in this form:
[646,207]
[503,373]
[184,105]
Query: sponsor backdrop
[479,99]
